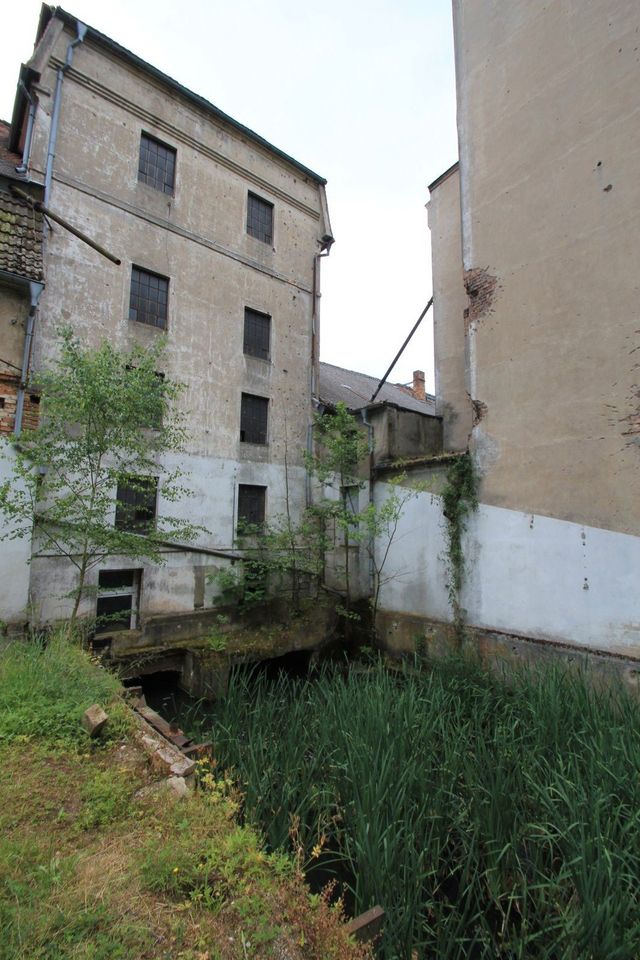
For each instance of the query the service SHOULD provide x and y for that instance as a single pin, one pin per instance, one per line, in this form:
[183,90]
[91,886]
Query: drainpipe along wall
[55,116]
[372,546]
[35,290]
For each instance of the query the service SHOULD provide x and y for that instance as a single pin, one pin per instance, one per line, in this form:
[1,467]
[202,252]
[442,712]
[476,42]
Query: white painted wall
[169,587]
[526,574]
[14,558]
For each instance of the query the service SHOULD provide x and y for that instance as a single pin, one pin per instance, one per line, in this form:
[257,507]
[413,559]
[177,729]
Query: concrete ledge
[402,634]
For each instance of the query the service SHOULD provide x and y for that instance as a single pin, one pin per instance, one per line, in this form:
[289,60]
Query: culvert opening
[163,694]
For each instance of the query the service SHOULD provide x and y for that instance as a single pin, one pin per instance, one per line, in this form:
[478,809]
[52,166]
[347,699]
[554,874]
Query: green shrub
[105,798]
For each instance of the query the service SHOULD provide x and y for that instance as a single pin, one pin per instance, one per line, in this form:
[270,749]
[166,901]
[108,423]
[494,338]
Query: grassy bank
[489,820]
[98,862]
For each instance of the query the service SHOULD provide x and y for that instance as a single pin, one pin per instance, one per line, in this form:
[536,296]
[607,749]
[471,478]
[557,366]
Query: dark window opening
[157,164]
[115,579]
[34,398]
[251,506]
[254,416]
[149,298]
[257,333]
[113,613]
[117,601]
[136,504]
[2,402]
[260,218]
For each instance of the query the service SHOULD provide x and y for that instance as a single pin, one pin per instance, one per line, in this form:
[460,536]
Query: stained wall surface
[549,134]
[196,237]
[453,403]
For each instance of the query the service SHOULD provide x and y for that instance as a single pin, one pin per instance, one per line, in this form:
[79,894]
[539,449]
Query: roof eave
[102,40]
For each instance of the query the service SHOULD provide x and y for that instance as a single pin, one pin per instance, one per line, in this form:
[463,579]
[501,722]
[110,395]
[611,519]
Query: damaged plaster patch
[480,411]
[631,422]
[481,287]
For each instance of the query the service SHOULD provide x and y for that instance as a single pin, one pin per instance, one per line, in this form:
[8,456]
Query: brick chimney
[418,385]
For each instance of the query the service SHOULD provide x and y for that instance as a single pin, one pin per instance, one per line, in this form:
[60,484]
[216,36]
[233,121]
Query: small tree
[378,527]
[342,447]
[107,418]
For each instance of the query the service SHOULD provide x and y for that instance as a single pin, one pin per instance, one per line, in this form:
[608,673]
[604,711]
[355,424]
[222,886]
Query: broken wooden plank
[368,925]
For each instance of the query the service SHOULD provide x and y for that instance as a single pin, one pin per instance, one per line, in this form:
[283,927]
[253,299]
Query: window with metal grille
[157,164]
[251,506]
[136,499]
[260,218]
[254,415]
[257,333]
[148,298]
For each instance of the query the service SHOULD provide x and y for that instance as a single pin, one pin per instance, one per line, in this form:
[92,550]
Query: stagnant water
[489,820]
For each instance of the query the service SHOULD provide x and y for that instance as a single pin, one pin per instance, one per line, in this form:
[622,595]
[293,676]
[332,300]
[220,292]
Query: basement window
[157,164]
[118,600]
[257,334]
[251,507]
[148,298]
[254,416]
[136,503]
[260,218]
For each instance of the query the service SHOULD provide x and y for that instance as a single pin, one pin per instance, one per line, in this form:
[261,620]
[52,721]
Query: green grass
[490,820]
[99,862]
[45,689]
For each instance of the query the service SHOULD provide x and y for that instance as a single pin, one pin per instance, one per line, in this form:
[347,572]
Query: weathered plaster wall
[453,403]
[527,574]
[14,558]
[549,131]
[180,583]
[400,434]
[198,239]
[14,308]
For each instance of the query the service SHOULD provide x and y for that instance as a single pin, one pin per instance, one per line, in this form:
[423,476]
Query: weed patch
[490,820]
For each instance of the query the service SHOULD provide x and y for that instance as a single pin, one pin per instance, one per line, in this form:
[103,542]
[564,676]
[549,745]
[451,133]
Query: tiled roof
[20,238]
[8,160]
[355,390]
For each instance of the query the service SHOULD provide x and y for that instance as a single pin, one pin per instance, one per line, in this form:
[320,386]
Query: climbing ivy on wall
[459,499]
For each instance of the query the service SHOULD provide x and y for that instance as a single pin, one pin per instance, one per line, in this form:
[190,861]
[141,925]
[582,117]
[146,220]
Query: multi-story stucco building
[536,260]
[219,235]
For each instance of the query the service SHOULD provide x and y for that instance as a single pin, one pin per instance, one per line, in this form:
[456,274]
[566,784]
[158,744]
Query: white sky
[361,91]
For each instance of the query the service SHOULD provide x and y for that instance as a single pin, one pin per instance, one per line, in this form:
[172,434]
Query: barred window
[157,164]
[149,297]
[136,500]
[260,218]
[254,416]
[251,506]
[257,333]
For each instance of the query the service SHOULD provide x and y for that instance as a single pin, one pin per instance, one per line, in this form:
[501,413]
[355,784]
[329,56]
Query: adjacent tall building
[536,266]
[219,235]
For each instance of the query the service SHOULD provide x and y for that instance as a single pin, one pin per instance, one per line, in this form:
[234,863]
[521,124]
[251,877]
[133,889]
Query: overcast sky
[361,92]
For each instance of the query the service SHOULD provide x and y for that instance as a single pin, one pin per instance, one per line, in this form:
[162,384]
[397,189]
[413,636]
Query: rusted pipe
[40,207]
[400,351]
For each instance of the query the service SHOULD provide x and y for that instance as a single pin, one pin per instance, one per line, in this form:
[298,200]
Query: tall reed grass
[490,820]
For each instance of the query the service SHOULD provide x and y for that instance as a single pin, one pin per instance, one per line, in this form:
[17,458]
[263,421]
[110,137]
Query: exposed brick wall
[481,287]
[8,400]
[8,397]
